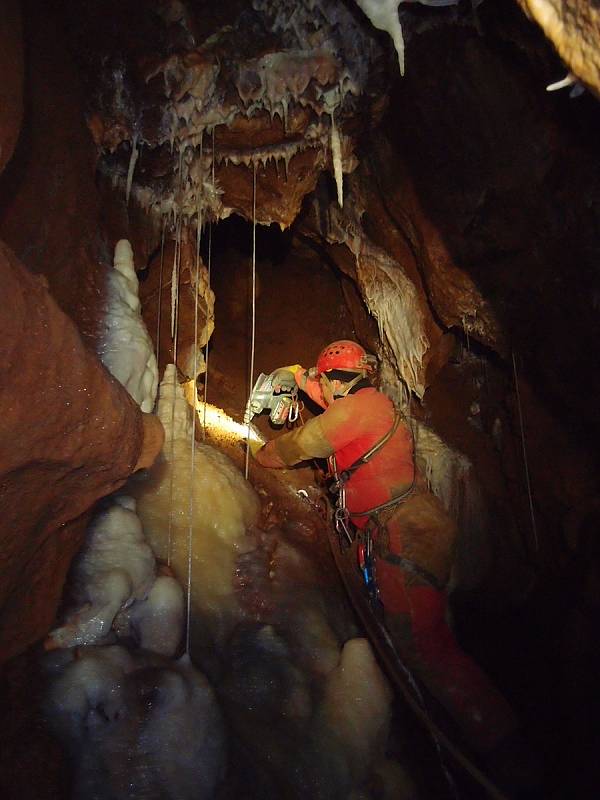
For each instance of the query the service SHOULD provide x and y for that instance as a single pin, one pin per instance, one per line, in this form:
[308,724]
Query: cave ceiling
[183,99]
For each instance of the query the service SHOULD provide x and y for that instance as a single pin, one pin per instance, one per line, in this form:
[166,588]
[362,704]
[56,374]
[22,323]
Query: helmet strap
[350,385]
[346,386]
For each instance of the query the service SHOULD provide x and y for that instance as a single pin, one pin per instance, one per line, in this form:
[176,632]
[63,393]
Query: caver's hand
[255,445]
[283,378]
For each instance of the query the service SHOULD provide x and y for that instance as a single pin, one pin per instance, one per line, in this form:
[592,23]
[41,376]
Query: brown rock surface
[278,196]
[11,69]
[49,212]
[69,434]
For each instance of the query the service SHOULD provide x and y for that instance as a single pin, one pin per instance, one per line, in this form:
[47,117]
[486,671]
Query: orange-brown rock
[69,434]
[279,195]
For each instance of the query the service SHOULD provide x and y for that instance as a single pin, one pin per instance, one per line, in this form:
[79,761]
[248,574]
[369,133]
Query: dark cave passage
[299,307]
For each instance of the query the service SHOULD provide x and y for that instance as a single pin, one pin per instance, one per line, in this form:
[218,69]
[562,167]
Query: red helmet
[344,355]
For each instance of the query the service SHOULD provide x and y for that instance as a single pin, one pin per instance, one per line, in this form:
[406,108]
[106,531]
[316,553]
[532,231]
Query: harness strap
[388,504]
[366,457]
[414,569]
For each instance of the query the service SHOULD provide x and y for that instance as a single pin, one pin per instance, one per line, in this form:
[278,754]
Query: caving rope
[253,324]
[209,279]
[525,460]
[369,609]
[190,541]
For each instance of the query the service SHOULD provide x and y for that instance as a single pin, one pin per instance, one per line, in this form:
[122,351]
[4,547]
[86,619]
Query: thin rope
[193,447]
[174,277]
[212,169]
[175,325]
[160,287]
[253,333]
[525,460]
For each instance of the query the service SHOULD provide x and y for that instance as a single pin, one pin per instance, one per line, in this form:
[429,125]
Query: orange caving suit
[418,529]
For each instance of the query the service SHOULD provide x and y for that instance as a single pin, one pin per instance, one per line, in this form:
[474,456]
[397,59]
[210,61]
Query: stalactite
[336,156]
[132,162]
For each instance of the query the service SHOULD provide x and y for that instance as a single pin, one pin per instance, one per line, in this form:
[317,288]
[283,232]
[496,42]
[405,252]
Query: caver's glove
[255,445]
[294,368]
[283,378]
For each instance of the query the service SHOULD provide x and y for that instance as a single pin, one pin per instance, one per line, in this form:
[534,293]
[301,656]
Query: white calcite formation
[115,588]
[450,476]
[383,15]
[125,348]
[136,726]
[352,723]
[205,504]
[390,295]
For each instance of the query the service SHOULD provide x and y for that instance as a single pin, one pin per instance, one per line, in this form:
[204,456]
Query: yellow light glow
[218,420]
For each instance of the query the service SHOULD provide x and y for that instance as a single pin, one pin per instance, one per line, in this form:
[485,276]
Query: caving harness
[367,546]
[347,532]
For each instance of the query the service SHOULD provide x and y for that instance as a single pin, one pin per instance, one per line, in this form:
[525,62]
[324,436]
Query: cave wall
[505,176]
[69,433]
[49,210]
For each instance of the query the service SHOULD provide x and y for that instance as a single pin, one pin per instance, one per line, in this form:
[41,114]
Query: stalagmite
[223,508]
[137,726]
[353,720]
[114,586]
[125,347]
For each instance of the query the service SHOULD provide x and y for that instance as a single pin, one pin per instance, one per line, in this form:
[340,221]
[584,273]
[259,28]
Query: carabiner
[294,411]
[341,519]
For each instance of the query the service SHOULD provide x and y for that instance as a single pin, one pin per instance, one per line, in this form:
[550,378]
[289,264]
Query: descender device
[276,393]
